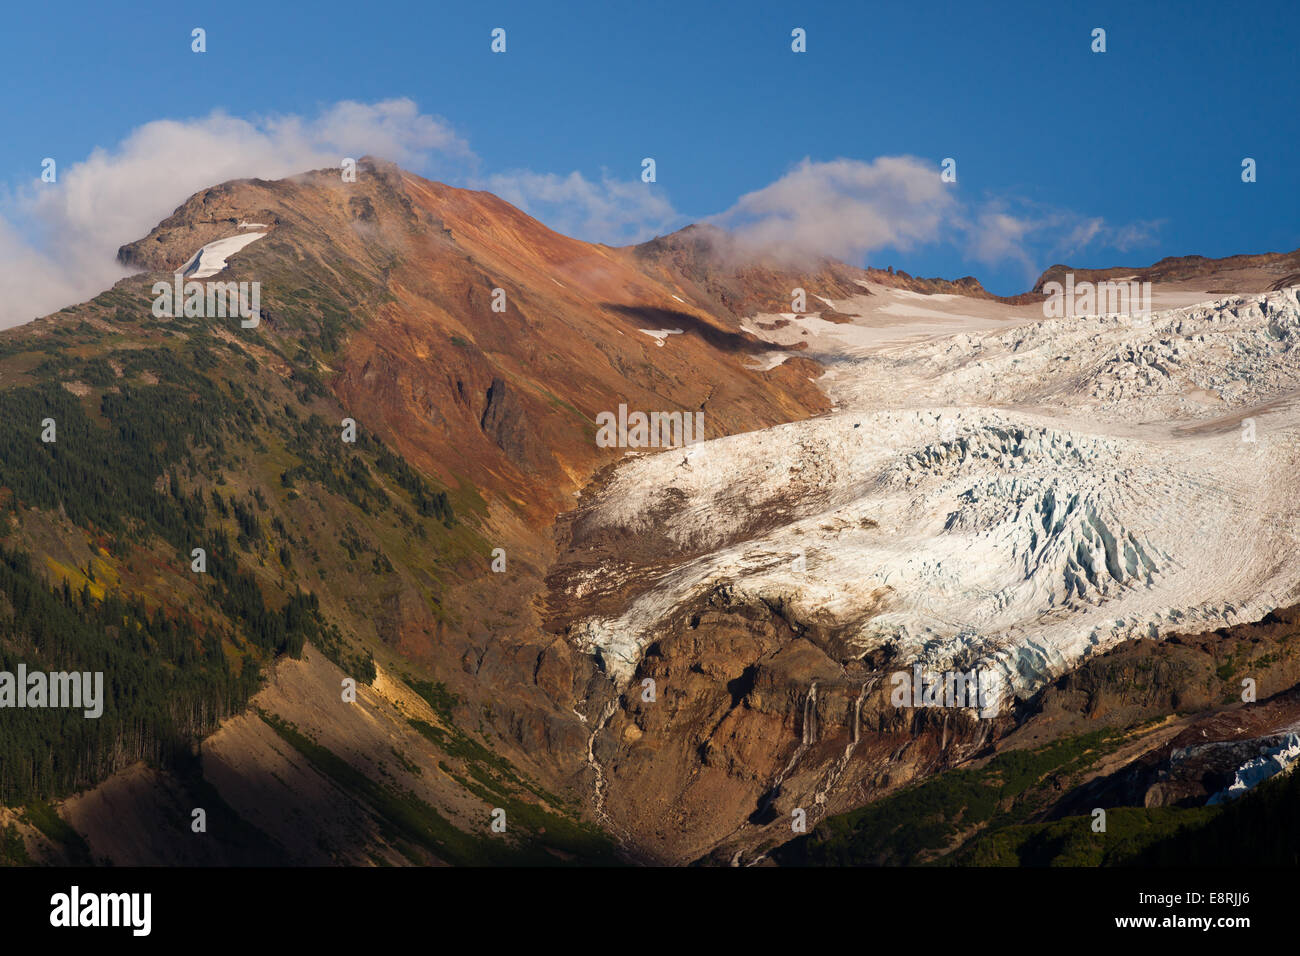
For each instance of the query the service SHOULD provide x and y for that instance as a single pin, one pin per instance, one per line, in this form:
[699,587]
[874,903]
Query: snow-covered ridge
[1177,364]
[1023,497]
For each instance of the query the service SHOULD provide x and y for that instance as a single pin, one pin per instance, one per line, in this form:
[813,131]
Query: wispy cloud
[58,241]
[613,211]
[845,208]
[852,209]
[994,237]
[1034,234]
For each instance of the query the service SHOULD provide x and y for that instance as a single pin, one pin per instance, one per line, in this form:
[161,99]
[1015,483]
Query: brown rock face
[505,420]
[485,344]
[707,265]
[737,720]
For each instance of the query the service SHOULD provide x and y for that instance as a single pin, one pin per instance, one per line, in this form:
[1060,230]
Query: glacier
[1020,495]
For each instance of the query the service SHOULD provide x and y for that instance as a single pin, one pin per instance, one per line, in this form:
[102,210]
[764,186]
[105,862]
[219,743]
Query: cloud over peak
[844,209]
[852,209]
[58,241]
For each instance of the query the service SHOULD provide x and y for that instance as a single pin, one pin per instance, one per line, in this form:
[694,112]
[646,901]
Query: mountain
[1007,503]
[1270,271]
[372,559]
[451,604]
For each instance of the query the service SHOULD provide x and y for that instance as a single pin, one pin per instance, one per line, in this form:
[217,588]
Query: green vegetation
[12,851]
[171,437]
[47,820]
[103,477]
[134,466]
[993,816]
[1260,828]
[403,817]
[436,695]
[315,315]
[490,768]
[330,641]
[166,680]
[412,768]
[920,822]
[246,843]
[1071,841]
[335,466]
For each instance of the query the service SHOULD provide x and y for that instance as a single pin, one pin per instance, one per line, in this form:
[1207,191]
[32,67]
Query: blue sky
[1062,154]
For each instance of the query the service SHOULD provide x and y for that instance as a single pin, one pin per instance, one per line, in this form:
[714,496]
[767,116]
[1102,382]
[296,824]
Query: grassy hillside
[181,433]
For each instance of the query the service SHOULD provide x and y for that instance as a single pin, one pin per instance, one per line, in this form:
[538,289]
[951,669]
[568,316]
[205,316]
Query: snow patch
[211,259]
[768,362]
[660,335]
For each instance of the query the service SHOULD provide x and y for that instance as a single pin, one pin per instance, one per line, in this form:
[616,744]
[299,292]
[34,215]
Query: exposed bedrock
[733,720]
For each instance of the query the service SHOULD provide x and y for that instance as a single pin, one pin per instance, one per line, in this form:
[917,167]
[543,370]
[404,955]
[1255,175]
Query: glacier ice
[1022,497]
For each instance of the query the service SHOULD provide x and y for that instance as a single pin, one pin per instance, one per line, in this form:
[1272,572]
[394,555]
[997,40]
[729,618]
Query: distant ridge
[1259,272]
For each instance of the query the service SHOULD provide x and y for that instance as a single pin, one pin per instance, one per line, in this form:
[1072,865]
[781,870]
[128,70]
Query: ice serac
[1277,755]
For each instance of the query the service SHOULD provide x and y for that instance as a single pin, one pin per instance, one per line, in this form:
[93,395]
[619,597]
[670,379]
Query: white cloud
[1134,234]
[850,209]
[612,211]
[58,241]
[1083,234]
[1039,236]
[845,208]
[994,237]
